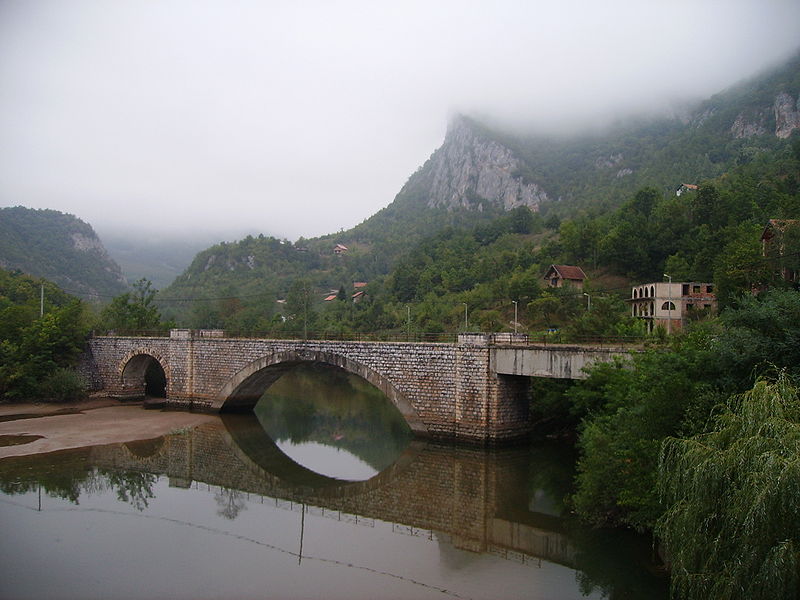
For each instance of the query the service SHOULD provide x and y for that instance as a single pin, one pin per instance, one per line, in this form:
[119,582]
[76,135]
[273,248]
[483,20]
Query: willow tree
[732,527]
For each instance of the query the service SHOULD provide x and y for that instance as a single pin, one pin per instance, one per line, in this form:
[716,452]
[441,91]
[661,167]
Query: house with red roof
[560,275]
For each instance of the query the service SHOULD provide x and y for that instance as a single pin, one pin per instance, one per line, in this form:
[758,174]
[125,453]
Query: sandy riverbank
[91,422]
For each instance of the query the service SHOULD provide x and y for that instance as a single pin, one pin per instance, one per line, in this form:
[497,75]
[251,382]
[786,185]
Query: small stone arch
[243,390]
[143,371]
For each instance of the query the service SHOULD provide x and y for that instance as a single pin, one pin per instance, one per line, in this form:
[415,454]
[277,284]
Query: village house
[671,305]
[560,275]
[685,187]
[339,249]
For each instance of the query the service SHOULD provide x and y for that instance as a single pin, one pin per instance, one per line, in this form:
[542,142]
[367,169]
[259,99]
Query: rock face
[469,169]
[787,115]
[747,126]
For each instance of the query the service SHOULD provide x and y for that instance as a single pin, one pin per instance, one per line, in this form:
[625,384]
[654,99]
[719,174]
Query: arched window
[635,293]
[668,306]
[652,291]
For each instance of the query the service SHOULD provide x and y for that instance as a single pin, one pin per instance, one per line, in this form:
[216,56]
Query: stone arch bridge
[476,389]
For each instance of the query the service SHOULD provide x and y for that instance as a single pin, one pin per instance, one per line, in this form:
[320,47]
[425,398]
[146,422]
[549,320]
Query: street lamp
[588,301]
[669,305]
[515,316]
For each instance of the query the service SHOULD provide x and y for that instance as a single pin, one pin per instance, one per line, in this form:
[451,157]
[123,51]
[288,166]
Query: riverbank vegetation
[42,332]
[732,523]
[698,440]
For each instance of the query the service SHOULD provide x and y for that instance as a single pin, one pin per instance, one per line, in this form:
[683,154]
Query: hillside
[60,248]
[480,174]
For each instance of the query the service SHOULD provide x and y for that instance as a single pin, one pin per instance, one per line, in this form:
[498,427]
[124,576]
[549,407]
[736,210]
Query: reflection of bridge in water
[469,495]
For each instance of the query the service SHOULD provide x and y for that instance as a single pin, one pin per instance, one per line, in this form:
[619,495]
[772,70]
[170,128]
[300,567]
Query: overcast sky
[302,118]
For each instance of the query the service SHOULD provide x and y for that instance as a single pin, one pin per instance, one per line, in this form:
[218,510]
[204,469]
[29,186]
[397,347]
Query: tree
[34,361]
[133,310]
[608,317]
[732,527]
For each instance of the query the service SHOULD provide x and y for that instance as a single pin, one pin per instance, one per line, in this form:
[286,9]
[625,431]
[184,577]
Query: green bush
[62,385]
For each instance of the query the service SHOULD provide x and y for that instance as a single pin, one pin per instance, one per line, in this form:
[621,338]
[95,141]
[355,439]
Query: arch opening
[244,390]
[144,376]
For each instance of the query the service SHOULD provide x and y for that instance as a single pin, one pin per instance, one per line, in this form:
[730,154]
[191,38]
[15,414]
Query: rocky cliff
[469,170]
[787,115]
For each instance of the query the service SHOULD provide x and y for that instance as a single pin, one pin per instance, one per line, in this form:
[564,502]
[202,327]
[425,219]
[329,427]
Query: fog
[303,118]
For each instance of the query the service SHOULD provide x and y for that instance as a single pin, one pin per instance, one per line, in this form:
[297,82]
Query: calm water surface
[322,494]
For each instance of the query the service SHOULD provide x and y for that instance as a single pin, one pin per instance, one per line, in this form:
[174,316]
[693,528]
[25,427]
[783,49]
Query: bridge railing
[484,339]
[334,336]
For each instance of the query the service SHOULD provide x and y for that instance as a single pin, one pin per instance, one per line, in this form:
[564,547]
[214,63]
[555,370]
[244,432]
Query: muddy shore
[36,428]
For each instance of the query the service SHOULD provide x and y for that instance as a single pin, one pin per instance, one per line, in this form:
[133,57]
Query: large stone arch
[243,390]
[133,367]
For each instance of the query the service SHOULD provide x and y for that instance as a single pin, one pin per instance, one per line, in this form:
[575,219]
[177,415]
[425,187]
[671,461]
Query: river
[322,493]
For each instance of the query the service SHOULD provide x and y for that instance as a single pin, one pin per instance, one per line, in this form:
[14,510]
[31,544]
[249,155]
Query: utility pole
[466,320]
[41,303]
[669,305]
[515,315]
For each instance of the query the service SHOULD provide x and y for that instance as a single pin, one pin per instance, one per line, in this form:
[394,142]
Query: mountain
[159,259]
[481,172]
[60,248]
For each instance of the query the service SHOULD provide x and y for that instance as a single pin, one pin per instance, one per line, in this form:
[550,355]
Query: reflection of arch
[243,390]
[668,306]
[143,372]
[253,446]
[145,448]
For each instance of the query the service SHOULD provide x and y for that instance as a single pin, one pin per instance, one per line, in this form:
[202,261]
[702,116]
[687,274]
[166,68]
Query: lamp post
[588,301]
[669,305]
[515,316]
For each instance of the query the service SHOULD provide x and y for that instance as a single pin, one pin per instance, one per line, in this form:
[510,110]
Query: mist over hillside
[481,173]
